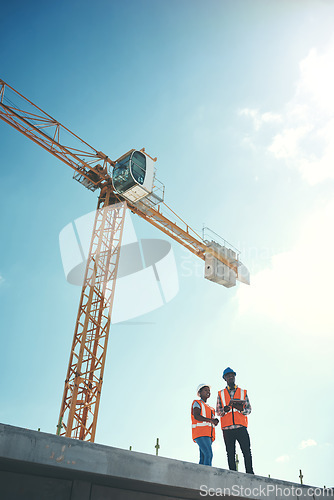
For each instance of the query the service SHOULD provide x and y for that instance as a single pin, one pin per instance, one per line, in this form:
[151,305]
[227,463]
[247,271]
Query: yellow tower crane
[126,183]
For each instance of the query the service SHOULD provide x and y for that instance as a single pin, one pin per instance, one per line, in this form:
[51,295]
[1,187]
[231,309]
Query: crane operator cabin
[133,176]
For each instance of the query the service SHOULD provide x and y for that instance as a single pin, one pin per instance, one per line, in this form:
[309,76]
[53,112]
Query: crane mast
[83,383]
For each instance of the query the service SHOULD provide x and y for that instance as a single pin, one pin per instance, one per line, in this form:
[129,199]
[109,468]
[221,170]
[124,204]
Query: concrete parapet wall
[39,466]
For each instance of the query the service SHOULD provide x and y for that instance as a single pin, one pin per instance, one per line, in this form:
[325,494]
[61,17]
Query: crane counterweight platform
[128,182]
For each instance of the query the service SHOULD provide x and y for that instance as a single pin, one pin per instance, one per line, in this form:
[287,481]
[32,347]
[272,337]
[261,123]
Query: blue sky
[235,99]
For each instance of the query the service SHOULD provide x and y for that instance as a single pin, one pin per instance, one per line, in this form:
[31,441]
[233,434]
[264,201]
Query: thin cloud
[307,443]
[260,119]
[286,144]
[304,129]
[282,459]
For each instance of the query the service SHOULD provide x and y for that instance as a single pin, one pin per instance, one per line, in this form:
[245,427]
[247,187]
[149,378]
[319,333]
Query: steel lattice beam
[83,384]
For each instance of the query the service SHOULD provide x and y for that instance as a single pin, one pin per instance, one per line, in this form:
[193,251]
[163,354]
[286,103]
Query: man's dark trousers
[241,435]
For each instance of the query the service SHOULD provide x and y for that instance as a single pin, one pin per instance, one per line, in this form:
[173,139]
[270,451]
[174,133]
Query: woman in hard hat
[203,424]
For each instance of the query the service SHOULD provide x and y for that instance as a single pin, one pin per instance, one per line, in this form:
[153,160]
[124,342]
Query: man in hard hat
[203,424]
[233,406]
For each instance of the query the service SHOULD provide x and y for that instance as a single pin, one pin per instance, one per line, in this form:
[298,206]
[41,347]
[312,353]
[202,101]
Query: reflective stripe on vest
[198,428]
[233,417]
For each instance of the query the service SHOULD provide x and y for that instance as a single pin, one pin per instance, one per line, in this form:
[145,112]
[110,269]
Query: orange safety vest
[233,417]
[200,428]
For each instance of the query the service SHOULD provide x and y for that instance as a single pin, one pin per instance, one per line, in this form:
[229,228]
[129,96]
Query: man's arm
[219,408]
[248,408]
